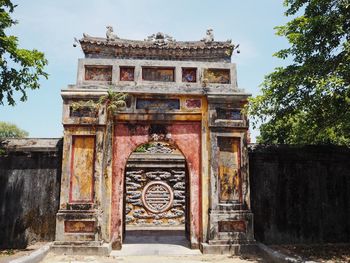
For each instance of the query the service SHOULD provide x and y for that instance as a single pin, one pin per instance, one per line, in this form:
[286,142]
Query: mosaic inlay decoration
[229,114]
[158,74]
[127,73]
[158,104]
[189,74]
[193,103]
[98,73]
[220,76]
[157,197]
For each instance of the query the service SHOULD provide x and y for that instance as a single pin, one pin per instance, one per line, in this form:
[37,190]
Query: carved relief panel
[155,196]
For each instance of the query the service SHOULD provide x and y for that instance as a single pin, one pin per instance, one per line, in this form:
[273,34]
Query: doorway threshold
[162,241]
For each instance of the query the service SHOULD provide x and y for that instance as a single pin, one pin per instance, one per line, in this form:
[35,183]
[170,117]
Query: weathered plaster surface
[186,136]
[30,172]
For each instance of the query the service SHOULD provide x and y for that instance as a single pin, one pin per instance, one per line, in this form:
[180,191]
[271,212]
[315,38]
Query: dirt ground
[325,253]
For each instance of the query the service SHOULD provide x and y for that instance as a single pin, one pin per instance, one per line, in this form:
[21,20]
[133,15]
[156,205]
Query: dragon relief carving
[158,175]
[135,175]
[180,186]
[159,148]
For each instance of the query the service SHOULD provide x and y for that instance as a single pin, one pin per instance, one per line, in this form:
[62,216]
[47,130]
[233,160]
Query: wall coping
[31,144]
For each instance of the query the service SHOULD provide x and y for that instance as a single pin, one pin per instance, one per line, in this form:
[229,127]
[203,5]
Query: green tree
[20,69]
[308,101]
[9,130]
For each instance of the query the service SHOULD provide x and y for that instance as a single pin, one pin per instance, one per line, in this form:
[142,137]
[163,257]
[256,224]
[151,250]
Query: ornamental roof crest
[160,39]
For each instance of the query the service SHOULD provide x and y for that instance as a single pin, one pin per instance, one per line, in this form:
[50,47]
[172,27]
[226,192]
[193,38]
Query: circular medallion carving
[157,197]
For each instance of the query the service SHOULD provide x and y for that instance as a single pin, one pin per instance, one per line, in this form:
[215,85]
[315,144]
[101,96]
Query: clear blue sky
[50,26]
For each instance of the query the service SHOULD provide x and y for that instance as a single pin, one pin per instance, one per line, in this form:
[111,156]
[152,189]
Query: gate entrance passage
[155,190]
[155,187]
[174,157]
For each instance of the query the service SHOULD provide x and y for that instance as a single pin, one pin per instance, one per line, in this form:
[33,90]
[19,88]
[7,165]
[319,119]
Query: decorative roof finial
[209,36]
[110,34]
[160,39]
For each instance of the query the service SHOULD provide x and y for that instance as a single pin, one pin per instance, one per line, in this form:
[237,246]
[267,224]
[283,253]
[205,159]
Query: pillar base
[233,249]
[81,248]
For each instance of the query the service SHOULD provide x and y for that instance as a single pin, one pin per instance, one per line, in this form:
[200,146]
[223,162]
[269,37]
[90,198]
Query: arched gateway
[181,93]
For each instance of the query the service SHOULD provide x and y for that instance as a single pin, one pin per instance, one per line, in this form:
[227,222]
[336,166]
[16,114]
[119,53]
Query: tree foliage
[20,69]
[9,130]
[308,101]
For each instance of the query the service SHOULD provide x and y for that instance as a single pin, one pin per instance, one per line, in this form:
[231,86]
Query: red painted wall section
[186,136]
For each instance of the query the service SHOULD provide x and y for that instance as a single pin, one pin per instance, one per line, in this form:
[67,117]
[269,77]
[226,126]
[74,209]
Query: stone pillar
[82,222]
[230,217]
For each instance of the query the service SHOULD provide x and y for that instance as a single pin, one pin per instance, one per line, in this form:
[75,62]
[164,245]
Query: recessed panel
[98,73]
[158,104]
[220,76]
[127,73]
[228,114]
[189,74]
[158,74]
[229,178]
[79,226]
[82,169]
[232,226]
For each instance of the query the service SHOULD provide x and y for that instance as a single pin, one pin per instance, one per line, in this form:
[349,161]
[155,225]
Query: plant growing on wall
[84,108]
[112,102]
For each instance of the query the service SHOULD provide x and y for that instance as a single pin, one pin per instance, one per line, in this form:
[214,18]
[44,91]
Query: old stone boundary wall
[299,194]
[30,176]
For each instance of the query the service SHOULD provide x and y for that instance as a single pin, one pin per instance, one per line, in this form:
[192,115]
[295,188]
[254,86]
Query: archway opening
[156,195]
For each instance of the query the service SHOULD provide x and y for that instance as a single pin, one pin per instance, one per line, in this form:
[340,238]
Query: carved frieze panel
[155,196]
[229,177]
[158,74]
[98,73]
[220,76]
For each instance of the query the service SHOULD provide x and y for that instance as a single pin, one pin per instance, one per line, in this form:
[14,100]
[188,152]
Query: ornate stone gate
[182,93]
